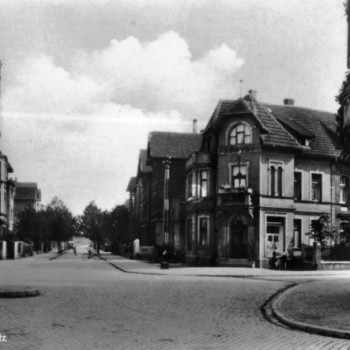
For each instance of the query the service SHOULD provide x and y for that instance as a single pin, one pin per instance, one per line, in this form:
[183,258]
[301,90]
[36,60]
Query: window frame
[203,183]
[275,169]
[189,228]
[246,177]
[247,137]
[344,189]
[299,241]
[298,182]
[312,187]
[206,242]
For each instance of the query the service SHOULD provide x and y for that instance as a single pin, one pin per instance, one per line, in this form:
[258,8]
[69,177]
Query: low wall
[335,265]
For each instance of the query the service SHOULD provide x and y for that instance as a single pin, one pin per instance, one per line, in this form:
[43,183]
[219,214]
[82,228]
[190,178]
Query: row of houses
[14,197]
[252,181]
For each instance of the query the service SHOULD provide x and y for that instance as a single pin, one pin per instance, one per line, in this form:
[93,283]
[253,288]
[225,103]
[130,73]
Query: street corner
[292,317]
[18,292]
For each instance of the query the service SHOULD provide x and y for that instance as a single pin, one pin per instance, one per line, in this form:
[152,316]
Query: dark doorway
[239,240]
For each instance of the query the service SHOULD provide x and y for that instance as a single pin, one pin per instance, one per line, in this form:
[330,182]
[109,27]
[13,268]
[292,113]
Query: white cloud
[78,132]
[154,76]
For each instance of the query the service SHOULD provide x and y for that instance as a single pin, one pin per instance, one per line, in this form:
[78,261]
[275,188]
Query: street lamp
[166,208]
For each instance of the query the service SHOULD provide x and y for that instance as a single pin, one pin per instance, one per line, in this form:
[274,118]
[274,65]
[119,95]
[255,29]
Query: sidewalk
[143,267]
[315,305]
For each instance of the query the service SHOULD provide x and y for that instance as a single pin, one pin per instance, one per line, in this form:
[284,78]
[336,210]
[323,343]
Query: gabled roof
[320,124]
[27,191]
[173,144]
[131,185]
[283,126]
[142,162]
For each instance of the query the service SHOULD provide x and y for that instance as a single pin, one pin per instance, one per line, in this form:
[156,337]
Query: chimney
[288,102]
[195,126]
[253,93]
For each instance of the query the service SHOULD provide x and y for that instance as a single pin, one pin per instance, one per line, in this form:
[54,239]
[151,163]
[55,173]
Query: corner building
[262,175]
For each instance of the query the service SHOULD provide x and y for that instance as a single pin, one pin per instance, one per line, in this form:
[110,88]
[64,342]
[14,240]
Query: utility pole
[166,208]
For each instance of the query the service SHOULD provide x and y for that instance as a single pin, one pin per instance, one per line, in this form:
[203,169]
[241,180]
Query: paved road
[91,305]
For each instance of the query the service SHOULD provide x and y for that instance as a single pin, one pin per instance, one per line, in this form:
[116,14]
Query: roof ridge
[297,107]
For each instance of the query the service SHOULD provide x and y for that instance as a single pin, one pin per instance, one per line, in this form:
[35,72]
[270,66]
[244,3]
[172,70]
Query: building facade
[158,193]
[263,174]
[28,195]
[7,193]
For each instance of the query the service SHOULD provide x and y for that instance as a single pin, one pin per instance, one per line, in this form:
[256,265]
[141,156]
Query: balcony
[234,197]
[198,159]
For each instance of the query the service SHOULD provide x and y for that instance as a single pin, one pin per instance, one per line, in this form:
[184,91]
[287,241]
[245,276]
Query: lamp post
[166,208]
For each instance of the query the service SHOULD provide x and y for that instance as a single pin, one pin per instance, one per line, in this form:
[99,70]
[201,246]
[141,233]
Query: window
[316,187]
[239,176]
[203,231]
[297,233]
[203,182]
[279,181]
[274,231]
[197,184]
[344,231]
[344,189]
[189,186]
[240,135]
[276,180]
[297,186]
[189,234]
[273,180]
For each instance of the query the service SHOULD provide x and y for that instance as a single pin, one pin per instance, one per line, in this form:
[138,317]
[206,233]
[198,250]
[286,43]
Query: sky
[85,81]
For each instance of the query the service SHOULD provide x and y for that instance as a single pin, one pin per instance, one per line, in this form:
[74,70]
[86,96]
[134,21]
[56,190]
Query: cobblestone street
[91,305]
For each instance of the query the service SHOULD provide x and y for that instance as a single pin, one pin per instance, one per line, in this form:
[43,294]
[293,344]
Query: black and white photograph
[174,174]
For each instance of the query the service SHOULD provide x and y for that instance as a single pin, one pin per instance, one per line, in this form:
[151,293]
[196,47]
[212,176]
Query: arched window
[279,181]
[240,135]
[273,180]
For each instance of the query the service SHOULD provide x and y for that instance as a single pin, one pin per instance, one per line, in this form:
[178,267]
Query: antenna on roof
[240,87]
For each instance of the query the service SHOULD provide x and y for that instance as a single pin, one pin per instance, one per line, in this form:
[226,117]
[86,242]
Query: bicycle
[87,256]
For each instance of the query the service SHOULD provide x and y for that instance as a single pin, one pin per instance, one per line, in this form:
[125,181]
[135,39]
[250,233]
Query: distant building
[7,193]
[28,195]
[157,193]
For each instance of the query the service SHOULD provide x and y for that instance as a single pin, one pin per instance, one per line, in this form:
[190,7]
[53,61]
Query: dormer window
[240,135]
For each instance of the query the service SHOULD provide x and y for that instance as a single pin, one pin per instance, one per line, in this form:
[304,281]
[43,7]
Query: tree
[31,227]
[119,231]
[91,225]
[60,222]
[321,230]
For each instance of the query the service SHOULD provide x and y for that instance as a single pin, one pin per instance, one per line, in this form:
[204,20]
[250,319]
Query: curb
[277,308]
[115,266]
[18,292]
[154,273]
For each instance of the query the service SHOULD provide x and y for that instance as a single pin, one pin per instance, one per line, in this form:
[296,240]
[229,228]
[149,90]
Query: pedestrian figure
[75,249]
[284,258]
[276,258]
